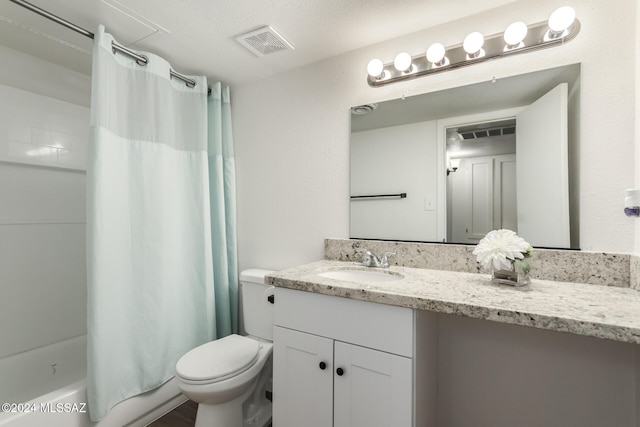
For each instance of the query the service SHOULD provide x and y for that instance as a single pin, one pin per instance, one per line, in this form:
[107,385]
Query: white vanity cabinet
[347,363]
[375,388]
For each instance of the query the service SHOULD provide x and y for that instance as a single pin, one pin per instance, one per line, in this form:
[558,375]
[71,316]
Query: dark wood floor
[183,416]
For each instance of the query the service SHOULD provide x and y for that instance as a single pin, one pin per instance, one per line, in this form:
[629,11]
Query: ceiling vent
[363,109]
[509,130]
[472,132]
[264,41]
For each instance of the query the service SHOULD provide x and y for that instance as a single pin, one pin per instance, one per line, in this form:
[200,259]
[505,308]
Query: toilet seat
[218,360]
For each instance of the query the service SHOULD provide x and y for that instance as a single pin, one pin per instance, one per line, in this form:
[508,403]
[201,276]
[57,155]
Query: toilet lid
[218,359]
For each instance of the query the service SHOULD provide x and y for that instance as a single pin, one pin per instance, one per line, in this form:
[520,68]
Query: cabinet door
[373,388]
[302,379]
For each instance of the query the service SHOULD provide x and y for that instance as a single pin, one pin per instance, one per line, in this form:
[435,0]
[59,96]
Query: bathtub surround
[42,209]
[40,130]
[140,410]
[149,261]
[595,268]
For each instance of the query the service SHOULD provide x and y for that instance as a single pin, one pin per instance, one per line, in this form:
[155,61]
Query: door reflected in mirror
[500,154]
[481,179]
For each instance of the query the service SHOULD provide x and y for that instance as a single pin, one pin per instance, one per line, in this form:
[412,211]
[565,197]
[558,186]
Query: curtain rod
[140,59]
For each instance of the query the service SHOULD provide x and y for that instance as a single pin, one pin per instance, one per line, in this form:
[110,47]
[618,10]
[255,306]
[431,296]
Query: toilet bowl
[228,377]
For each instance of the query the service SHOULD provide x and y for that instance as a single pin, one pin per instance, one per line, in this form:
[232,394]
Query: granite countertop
[592,310]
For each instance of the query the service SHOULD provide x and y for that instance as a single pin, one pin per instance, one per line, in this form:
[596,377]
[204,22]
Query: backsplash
[596,268]
[635,272]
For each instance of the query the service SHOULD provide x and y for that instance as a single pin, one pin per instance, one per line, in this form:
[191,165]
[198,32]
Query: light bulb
[515,33]
[473,44]
[402,62]
[375,68]
[561,19]
[435,54]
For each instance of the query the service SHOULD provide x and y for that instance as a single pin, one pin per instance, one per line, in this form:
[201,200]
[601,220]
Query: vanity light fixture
[375,68]
[473,45]
[403,63]
[514,34]
[561,27]
[560,21]
[436,55]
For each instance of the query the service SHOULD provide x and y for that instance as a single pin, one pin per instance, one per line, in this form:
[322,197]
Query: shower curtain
[150,272]
[222,187]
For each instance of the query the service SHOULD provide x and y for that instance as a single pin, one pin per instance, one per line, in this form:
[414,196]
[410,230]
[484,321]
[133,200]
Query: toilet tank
[257,311]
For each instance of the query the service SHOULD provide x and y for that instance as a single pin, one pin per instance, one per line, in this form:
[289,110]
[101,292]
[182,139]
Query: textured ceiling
[199,36]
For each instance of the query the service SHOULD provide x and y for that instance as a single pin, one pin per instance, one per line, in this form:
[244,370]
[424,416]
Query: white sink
[362,276]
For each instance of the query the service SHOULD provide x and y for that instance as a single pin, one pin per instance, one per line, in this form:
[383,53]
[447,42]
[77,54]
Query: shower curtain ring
[143,60]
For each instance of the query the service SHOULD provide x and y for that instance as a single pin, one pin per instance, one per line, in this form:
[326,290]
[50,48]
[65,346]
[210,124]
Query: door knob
[323,365]
[340,372]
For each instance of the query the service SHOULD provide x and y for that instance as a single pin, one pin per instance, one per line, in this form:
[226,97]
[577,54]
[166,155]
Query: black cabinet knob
[323,365]
[340,372]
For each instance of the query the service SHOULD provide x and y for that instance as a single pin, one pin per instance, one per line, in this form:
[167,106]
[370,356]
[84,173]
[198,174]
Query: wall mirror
[451,165]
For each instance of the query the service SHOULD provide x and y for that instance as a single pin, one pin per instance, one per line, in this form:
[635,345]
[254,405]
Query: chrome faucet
[371,260]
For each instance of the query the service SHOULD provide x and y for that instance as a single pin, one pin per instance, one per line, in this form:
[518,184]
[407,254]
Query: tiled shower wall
[39,130]
[43,146]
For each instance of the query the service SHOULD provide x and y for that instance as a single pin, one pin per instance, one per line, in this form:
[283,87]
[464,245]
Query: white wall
[292,130]
[494,374]
[397,159]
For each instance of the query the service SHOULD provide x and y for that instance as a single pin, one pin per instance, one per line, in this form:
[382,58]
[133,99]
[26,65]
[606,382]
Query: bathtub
[48,389]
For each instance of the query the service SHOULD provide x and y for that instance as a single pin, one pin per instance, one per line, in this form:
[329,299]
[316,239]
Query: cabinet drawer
[379,326]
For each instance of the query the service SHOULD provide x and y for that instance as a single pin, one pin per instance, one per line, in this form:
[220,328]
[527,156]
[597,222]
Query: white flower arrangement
[502,249]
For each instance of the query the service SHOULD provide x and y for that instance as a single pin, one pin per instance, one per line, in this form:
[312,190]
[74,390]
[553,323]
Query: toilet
[230,377]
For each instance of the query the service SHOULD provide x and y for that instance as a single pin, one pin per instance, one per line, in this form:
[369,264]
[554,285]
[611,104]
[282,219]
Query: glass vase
[518,275]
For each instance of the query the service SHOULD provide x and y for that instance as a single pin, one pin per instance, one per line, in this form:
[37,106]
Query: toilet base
[227,414]
[231,414]
[262,418]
